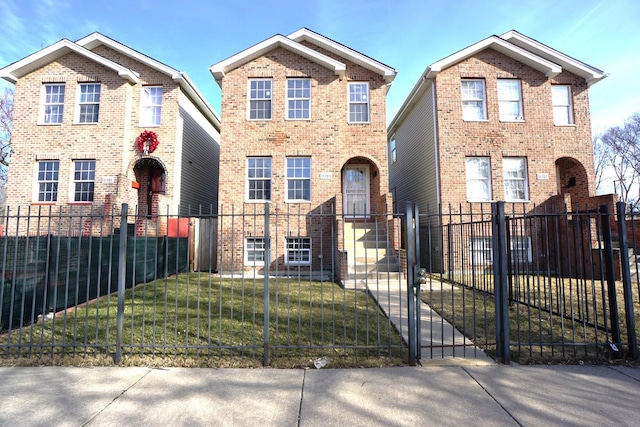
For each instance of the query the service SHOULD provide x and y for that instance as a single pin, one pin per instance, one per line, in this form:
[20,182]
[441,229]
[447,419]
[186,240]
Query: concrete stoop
[369,255]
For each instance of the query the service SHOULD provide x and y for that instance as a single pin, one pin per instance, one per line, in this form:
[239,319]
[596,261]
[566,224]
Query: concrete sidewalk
[402,396]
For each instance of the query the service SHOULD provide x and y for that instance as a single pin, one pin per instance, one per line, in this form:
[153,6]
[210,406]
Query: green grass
[554,322]
[204,320]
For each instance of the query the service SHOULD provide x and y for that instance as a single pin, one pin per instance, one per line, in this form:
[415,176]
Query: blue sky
[408,35]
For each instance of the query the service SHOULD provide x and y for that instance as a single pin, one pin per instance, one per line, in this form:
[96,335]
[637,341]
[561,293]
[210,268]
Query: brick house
[98,124]
[305,135]
[506,119]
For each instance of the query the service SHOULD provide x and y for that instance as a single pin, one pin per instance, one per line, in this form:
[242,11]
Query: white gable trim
[36,60]
[221,68]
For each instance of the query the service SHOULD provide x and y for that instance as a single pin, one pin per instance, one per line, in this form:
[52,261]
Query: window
[482,250]
[260,99]
[562,108]
[299,179]
[298,251]
[358,102]
[515,178]
[520,247]
[478,178]
[510,100]
[53,103]
[473,100]
[151,105]
[259,178]
[254,252]
[392,149]
[83,180]
[89,103]
[298,99]
[48,180]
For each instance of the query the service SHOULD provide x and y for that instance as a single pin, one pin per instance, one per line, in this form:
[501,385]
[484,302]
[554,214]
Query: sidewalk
[492,395]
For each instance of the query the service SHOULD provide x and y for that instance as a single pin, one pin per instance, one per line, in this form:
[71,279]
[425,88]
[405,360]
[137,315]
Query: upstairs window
[510,100]
[562,106]
[473,100]
[516,187]
[299,179]
[299,99]
[478,178]
[358,102]
[48,180]
[83,180]
[260,99]
[392,149]
[53,103]
[259,178]
[89,103]
[151,106]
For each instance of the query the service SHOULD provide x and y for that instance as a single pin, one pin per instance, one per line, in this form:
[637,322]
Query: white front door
[355,187]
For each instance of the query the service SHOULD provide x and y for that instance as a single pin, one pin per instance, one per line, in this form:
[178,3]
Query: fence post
[122,268]
[610,276]
[267,262]
[500,281]
[626,282]
[411,302]
[417,277]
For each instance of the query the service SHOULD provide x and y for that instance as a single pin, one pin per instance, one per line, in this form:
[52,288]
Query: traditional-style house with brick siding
[504,119]
[305,135]
[98,124]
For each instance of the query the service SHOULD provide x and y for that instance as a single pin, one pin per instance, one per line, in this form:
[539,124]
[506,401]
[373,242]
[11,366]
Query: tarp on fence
[51,273]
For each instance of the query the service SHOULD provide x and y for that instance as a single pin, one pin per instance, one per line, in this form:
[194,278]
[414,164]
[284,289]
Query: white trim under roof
[221,68]
[364,61]
[590,74]
[42,57]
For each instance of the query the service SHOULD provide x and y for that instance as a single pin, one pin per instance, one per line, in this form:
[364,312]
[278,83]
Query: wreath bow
[147,142]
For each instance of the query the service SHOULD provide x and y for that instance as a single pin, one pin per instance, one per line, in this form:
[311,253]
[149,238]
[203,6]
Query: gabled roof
[293,44]
[85,46]
[548,61]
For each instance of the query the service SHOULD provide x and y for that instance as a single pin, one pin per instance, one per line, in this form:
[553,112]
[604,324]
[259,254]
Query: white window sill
[85,123]
[49,124]
[566,125]
[518,201]
[358,123]
[476,120]
[141,125]
[512,121]
[253,202]
[480,201]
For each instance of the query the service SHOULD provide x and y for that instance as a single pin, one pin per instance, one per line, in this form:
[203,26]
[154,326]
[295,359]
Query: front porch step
[368,254]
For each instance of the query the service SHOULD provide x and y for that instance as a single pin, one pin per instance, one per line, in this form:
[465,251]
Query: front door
[355,188]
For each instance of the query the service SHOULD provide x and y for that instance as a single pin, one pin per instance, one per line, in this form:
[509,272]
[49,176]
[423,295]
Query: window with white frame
[392,149]
[478,171]
[516,186]
[510,100]
[520,247]
[298,251]
[359,102]
[89,103]
[260,99]
[299,99]
[259,178]
[84,173]
[473,100]
[48,180]
[562,105]
[481,249]
[151,106]
[53,105]
[254,251]
[299,179]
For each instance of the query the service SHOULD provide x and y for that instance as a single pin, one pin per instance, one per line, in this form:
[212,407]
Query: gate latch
[422,277]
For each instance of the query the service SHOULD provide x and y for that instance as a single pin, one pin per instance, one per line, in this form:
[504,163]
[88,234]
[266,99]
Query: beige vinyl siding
[200,168]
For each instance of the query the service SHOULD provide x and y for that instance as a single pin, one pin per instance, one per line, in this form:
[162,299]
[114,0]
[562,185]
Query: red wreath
[147,142]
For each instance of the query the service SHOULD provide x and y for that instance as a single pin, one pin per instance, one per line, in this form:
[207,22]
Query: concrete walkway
[494,395]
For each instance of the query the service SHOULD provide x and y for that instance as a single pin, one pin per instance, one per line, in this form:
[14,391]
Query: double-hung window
[260,99]
[562,106]
[259,178]
[48,180]
[298,251]
[515,178]
[510,100]
[53,103]
[481,249]
[83,180]
[474,106]
[359,102]
[89,103]
[299,99]
[151,106]
[254,251]
[298,179]
[392,149]
[478,178]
